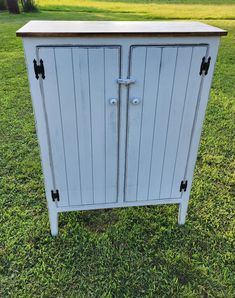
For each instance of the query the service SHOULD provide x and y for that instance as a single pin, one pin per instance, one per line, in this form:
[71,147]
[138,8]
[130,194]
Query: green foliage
[143,10]
[29,6]
[3,5]
[165,1]
[132,252]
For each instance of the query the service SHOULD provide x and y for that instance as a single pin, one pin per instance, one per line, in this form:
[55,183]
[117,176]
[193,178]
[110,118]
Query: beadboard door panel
[160,120]
[82,124]
[188,118]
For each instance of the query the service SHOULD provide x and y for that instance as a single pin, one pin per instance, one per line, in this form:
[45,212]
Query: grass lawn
[132,252]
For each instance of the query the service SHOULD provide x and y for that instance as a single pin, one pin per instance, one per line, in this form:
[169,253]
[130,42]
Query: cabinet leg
[53,217]
[183,212]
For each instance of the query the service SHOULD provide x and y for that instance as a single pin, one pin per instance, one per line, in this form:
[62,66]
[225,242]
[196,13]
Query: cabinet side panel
[40,123]
[201,109]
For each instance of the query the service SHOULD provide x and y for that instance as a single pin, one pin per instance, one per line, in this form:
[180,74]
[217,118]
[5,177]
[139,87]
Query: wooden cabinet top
[87,28]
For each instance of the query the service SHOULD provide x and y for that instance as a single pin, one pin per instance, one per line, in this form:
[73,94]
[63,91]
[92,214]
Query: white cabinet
[119,108]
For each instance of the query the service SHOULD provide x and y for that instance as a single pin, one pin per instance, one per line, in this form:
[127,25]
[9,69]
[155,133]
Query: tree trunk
[3,5]
[29,5]
[13,6]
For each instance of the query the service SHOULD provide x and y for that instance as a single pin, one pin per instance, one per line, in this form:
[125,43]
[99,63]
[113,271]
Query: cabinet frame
[30,46]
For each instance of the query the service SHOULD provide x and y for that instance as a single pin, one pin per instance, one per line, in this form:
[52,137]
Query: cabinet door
[161,110]
[79,93]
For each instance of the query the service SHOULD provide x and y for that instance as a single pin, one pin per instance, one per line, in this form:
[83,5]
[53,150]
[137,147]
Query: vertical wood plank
[149,102]
[166,83]
[53,110]
[111,73]
[97,98]
[188,119]
[176,111]
[138,64]
[80,60]
[63,57]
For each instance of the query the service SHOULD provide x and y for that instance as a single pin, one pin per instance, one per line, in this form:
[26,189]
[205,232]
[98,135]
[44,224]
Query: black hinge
[183,185]
[39,69]
[205,65]
[55,195]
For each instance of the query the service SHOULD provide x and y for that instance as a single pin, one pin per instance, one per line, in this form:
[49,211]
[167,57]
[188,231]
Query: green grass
[132,252]
[142,9]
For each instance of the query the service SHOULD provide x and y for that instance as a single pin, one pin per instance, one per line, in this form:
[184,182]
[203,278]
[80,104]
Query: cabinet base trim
[119,205]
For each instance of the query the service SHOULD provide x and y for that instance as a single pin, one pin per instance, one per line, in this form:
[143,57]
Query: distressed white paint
[81,80]
[166,81]
[82,125]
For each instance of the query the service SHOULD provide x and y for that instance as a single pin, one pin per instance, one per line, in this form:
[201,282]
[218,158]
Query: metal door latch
[125,82]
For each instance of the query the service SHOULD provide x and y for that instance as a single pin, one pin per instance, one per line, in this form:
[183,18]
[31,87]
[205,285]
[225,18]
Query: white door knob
[135,101]
[113,101]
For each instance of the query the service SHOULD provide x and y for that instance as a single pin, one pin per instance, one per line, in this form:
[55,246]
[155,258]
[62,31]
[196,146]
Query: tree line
[14,6]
